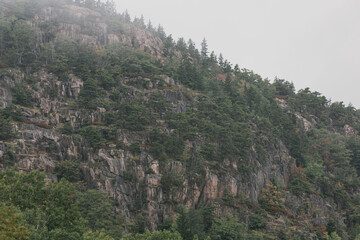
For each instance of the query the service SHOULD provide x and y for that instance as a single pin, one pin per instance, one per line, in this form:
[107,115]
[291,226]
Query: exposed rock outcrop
[92,29]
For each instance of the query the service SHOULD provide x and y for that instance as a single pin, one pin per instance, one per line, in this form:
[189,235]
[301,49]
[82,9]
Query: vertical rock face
[137,181]
[8,80]
[5,96]
[115,164]
[124,176]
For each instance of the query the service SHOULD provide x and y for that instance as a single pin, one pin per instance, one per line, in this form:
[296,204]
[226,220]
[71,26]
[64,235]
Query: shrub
[67,129]
[12,224]
[271,198]
[135,148]
[12,113]
[69,170]
[149,171]
[170,180]
[6,130]
[92,136]
[298,183]
[120,145]
[89,94]
[21,95]
[134,117]
[257,222]
[51,92]
[227,229]
[110,133]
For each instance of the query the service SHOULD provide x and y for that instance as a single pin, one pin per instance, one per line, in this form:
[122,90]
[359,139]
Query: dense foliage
[227,113]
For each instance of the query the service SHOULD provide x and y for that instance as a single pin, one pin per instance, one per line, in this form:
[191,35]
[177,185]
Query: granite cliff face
[137,180]
[41,145]
[127,177]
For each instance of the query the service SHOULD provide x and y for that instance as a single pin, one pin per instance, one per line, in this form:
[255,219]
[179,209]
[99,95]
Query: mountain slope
[110,104]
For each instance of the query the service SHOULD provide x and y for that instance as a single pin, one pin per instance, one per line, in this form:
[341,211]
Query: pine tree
[213,57]
[110,7]
[204,49]
[221,60]
[142,21]
[181,45]
[150,27]
[127,17]
[161,32]
[6,131]
[191,47]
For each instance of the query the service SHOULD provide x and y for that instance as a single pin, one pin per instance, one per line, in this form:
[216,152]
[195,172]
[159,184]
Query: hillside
[110,128]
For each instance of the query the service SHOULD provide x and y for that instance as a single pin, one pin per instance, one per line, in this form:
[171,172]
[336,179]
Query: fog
[312,43]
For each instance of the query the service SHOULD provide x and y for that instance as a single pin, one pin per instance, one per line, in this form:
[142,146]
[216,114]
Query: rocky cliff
[125,176]
[125,166]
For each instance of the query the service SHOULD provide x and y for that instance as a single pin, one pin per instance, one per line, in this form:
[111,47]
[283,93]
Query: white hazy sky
[312,43]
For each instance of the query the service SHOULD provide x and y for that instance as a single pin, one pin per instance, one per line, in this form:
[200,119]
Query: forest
[221,113]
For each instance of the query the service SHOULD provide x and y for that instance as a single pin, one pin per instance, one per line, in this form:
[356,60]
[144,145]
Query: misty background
[312,43]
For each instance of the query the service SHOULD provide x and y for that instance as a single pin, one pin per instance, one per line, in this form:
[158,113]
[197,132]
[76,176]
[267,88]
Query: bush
[110,133]
[6,116]
[21,95]
[92,136]
[120,145]
[89,94]
[149,171]
[12,113]
[97,235]
[134,117]
[228,229]
[51,92]
[170,180]
[135,148]
[6,129]
[69,170]
[271,198]
[67,129]
[12,224]
[257,222]
[156,235]
[8,159]
[298,183]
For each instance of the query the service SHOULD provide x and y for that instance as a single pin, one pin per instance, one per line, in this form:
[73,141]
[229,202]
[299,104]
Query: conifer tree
[161,32]
[127,17]
[204,49]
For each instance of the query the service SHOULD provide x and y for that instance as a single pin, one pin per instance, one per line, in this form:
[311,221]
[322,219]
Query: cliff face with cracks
[126,176]
[138,181]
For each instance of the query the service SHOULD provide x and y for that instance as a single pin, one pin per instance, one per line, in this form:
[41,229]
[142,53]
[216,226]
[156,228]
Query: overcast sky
[312,43]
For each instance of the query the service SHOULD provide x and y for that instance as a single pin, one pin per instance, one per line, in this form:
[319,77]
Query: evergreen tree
[6,129]
[213,58]
[161,32]
[189,75]
[181,46]
[168,46]
[204,49]
[97,209]
[110,7]
[127,17]
[221,60]
[88,95]
[192,49]
[150,27]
